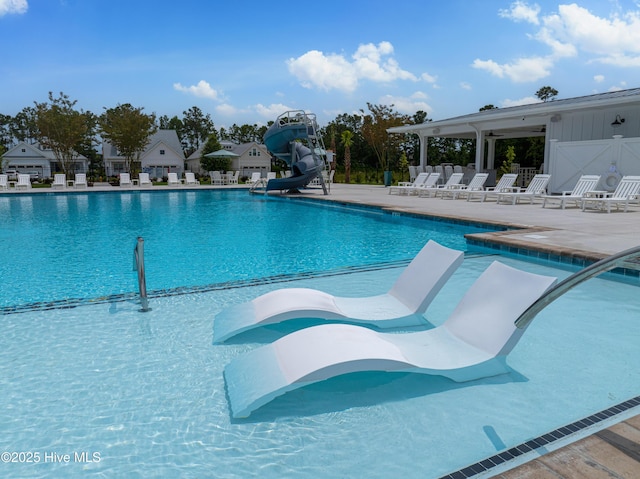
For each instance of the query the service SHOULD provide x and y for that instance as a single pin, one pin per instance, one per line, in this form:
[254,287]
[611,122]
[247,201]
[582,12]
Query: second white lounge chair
[144,180]
[403,305]
[125,180]
[172,179]
[585,183]
[505,184]
[80,181]
[536,189]
[471,344]
[59,181]
[627,192]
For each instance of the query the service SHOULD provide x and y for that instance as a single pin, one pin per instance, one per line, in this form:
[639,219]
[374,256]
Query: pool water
[145,391]
[67,246]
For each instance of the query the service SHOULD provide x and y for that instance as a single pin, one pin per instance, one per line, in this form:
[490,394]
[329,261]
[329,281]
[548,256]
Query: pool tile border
[486,465]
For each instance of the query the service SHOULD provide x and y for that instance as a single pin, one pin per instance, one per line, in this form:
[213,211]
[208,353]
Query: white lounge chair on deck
[430,182]
[172,179]
[59,181]
[24,182]
[403,305]
[476,184]
[255,178]
[471,344]
[232,178]
[190,178]
[453,182]
[505,184]
[125,180]
[585,183]
[144,180]
[80,181]
[627,191]
[216,178]
[536,189]
[4,182]
[402,185]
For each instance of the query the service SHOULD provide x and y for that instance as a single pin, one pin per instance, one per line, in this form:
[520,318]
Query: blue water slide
[305,165]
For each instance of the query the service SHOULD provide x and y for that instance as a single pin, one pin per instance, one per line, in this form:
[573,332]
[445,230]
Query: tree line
[362,145]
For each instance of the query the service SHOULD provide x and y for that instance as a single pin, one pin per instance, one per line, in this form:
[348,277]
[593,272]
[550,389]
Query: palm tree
[347,140]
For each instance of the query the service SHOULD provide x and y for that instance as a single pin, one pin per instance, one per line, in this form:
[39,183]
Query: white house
[162,155]
[594,134]
[36,161]
[251,157]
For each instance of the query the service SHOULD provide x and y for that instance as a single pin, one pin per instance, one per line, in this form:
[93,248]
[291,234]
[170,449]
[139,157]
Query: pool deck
[612,452]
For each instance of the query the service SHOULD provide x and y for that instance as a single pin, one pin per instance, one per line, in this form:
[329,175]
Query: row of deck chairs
[585,193]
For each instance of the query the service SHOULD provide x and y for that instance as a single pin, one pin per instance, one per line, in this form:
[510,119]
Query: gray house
[594,134]
[36,161]
[162,155]
[250,157]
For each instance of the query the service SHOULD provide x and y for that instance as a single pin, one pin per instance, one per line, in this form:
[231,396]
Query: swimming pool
[65,247]
[145,390]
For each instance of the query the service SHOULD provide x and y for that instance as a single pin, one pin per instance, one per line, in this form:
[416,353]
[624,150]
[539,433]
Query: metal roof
[518,120]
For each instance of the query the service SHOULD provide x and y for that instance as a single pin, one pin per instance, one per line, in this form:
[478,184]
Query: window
[24,150]
[162,152]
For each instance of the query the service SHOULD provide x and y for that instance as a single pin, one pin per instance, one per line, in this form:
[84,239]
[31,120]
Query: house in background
[251,157]
[162,155]
[31,159]
[595,134]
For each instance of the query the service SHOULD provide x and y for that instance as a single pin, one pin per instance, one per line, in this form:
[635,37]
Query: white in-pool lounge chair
[471,344]
[453,182]
[403,305]
[190,178]
[80,181]
[172,179]
[125,180]
[627,191]
[4,182]
[536,189]
[144,180]
[505,184]
[585,183]
[24,182]
[476,184]
[402,185]
[59,181]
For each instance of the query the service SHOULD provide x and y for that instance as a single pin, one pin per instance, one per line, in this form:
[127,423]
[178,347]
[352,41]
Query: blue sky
[248,61]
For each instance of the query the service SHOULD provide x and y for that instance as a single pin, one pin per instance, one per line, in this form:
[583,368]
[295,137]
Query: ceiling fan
[491,134]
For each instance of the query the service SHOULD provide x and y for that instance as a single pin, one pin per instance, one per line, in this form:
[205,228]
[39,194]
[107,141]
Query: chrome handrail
[138,258]
[575,279]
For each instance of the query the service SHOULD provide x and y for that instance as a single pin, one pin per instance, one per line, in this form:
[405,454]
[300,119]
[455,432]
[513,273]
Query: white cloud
[407,105]
[465,86]
[331,71]
[522,70]
[598,78]
[13,6]
[520,11]
[570,32]
[429,79]
[272,111]
[227,110]
[201,90]
[528,100]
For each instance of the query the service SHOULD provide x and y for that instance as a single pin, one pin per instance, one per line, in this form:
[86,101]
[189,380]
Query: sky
[248,61]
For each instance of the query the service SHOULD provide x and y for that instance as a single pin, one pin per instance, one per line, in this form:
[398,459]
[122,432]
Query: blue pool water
[57,247]
[145,391]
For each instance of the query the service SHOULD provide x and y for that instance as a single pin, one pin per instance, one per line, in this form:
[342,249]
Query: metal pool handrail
[138,258]
[575,279]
